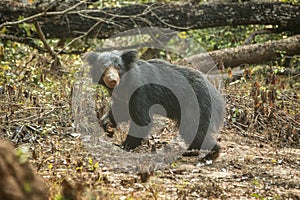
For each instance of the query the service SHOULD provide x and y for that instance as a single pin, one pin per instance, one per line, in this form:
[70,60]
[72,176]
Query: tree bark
[107,22]
[248,54]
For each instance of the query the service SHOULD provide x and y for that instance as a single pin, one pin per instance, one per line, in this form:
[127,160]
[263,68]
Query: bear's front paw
[132,142]
[109,128]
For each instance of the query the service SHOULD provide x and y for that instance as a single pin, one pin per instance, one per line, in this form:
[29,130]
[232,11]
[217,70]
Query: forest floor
[260,156]
[246,169]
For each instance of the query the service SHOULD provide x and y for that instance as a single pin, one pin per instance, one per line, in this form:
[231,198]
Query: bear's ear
[91,57]
[129,56]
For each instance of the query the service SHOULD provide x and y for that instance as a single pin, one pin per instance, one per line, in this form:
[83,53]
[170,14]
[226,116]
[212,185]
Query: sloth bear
[137,88]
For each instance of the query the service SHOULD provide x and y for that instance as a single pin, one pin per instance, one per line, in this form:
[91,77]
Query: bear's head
[107,68]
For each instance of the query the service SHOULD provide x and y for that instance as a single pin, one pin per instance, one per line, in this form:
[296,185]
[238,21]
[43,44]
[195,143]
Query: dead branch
[43,38]
[248,54]
[71,23]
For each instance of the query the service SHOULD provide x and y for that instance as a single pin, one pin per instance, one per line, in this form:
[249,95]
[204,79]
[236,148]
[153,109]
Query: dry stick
[83,35]
[259,32]
[69,10]
[28,41]
[43,14]
[37,116]
[41,34]
[99,20]
[43,38]
[56,64]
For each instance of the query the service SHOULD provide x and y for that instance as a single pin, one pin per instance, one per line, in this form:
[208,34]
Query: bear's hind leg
[206,142]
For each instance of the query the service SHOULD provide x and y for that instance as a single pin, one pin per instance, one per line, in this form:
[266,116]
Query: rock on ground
[18,180]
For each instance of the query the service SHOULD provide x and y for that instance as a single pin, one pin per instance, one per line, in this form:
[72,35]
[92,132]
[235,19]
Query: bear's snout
[111,77]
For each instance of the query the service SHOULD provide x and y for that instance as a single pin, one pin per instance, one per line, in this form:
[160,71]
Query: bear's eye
[119,67]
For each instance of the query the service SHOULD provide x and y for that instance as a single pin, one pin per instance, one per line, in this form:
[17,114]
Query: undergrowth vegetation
[263,105]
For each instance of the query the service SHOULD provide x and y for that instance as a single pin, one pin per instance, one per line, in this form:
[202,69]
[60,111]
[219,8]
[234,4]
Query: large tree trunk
[248,54]
[107,22]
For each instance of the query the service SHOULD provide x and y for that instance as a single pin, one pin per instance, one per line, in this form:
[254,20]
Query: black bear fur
[211,103]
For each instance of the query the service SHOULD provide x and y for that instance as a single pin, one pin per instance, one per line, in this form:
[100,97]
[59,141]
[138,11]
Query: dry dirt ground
[260,158]
[246,169]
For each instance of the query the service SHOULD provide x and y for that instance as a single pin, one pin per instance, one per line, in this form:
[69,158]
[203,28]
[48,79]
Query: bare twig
[43,14]
[42,37]
[38,116]
[82,36]
[258,32]
[27,41]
